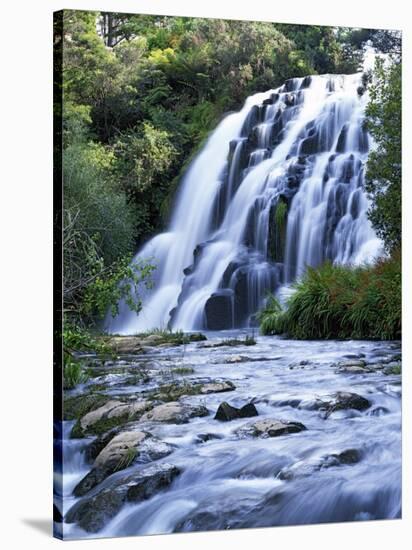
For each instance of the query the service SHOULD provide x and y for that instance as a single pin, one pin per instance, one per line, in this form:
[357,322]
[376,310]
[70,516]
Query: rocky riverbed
[224,434]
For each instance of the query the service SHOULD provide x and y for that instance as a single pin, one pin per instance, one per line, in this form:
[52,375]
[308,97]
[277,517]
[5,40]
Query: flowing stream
[228,481]
[277,187]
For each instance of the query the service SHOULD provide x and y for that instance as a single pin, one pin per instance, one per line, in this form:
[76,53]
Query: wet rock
[395,368]
[217,387]
[309,467]
[289,100]
[226,412]
[337,402]
[352,363]
[174,412]
[354,355]
[306,82]
[219,310]
[269,427]
[99,443]
[350,456]
[379,411]
[309,145]
[299,364]
[92,513]
[153,339]
[76,406]
[236,359]
[204,438]
[376,366]
[353,369]
[341,144]
[125,344]
[120,453]
[111,414]
[174,391]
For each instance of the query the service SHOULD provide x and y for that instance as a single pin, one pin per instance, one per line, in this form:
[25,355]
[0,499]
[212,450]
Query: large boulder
[226,412]
[219,310]
[94,512]
[270,427]
[109,415]
[120,453]
[174,412]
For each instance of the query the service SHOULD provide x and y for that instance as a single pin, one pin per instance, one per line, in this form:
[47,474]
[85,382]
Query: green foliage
[77,338]
[74,373]
[384,167]
[76,406]
[270,317]
[168,336]
[141,93]
[119,281]
[280,215]
[277,231]
[340,302]
[127,459]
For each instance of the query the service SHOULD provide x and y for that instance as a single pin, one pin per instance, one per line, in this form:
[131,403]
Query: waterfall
[277,187]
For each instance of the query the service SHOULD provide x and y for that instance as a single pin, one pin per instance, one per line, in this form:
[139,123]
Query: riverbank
[308,430]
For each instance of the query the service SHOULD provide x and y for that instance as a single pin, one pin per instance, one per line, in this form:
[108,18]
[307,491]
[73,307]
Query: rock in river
[217,387]
[226,412]
[93,512]
[174,412]
[338,401]
[120,453]
[309,467]
[112,413]
[270,427]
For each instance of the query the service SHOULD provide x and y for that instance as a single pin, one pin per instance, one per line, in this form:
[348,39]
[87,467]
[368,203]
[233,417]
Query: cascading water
[277,187]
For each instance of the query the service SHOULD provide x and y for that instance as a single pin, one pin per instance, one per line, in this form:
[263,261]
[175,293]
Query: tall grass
[341,302]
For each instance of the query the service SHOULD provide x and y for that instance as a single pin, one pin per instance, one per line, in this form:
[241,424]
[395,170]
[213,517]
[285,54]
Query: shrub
[340,302]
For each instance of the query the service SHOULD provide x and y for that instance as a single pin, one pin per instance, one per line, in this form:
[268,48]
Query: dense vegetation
[341,302]
[384,170]
[141,94]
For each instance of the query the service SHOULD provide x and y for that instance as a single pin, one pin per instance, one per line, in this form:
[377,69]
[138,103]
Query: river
[345,466]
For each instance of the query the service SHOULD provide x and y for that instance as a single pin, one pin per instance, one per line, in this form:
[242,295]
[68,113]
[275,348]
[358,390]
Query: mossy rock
[173,392]
[99,428]
[74,407]
[112,414]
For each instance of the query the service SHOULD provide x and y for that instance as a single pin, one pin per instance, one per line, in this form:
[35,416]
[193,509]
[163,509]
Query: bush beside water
[336,301]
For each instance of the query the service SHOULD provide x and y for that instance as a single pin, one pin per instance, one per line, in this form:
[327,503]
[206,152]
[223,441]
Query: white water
[230,482]
[303,144]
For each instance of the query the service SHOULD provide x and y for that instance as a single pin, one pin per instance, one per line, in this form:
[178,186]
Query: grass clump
[126,460]
[246,341]
[74,373]
[340,302]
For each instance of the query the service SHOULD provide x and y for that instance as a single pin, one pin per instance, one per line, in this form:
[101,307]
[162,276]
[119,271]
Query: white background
[26,272]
